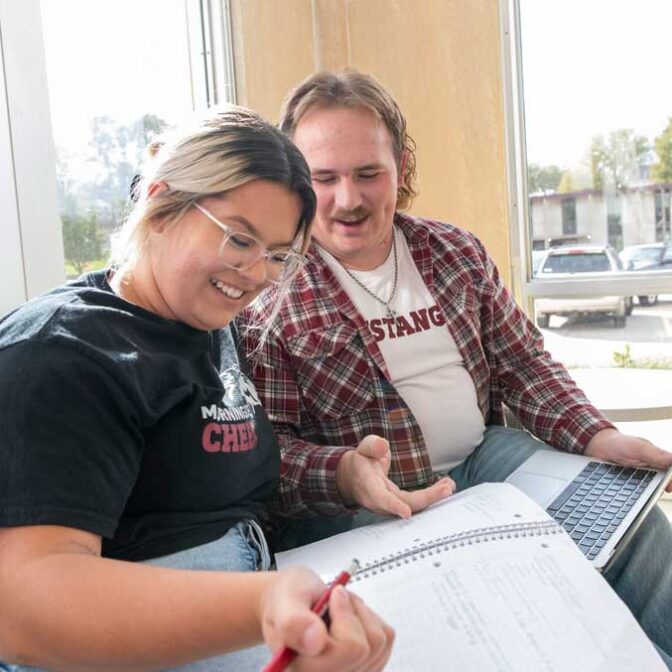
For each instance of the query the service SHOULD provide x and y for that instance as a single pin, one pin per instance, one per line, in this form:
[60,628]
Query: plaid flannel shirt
[324,383]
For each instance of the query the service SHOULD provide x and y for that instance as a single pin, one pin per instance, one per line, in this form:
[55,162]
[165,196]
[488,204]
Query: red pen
[285,656]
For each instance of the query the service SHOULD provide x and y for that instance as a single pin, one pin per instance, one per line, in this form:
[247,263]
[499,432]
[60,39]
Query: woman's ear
[153,190]
[156,188]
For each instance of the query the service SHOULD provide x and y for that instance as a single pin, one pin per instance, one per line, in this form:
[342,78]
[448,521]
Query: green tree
[543,179]
[662,171]
[662,174]
[81,240]
[617,160]
[566,185]
[117,151]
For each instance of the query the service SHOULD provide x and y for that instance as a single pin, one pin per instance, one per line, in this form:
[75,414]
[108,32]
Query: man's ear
[402,169]
[156,188]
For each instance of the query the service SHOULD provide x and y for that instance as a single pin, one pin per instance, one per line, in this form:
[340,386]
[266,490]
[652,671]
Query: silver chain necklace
[391,314]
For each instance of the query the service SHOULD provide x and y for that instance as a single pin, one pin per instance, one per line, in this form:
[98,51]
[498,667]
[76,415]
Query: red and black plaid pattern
[325,386]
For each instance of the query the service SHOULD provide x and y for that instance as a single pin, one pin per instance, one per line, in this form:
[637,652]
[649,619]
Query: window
[105,77]
[614,220]
[568,216]
[577,262]
[667,255]
[662,214]
[591,168]
[107,106]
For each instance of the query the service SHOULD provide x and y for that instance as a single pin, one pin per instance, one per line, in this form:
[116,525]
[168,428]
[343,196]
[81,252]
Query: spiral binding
[452,541]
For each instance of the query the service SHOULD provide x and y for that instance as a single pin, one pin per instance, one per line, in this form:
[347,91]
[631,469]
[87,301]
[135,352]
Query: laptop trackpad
[541,488]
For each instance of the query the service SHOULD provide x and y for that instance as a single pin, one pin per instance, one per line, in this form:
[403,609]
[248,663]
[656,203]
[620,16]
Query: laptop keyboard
[593,505]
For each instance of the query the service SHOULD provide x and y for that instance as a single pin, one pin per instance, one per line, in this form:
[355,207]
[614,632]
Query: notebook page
[531,603]
[497,604]
[483,506]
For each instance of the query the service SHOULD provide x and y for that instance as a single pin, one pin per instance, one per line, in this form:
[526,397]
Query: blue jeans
[642,574]
[242,548]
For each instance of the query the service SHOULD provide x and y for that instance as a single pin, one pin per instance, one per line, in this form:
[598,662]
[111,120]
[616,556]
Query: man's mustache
[350,215]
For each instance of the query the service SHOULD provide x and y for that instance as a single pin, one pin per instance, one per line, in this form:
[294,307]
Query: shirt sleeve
[308,470]
[539,390]
[70,440]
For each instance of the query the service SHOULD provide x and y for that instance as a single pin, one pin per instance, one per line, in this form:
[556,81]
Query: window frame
[31,243]
[524,285]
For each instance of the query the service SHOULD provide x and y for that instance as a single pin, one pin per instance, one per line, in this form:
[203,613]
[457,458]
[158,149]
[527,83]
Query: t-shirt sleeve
[70,439]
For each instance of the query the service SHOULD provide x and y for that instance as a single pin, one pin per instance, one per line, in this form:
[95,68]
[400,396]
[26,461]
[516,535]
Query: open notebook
[485,581]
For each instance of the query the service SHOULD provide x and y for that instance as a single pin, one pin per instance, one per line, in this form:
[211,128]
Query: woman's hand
[361,478]
[357,639]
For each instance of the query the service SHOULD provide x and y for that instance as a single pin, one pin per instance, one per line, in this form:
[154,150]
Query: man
[401,328]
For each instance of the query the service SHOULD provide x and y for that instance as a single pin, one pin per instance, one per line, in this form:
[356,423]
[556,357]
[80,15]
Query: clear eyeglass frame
[240,251]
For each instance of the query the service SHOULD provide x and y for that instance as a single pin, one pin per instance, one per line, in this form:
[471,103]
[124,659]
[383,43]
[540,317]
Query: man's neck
[368,261]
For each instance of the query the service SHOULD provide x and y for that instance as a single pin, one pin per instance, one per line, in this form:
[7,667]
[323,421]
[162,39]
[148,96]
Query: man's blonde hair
[352,89]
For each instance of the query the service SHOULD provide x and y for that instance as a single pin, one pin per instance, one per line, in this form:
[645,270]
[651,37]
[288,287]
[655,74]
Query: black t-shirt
[122,423]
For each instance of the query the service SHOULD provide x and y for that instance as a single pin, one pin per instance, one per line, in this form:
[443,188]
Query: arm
[65,606]
[538,389]
[320,478]
[542,392]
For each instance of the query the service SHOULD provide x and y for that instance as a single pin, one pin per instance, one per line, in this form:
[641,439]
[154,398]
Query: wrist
[594,446]
[265,586]
[343,477]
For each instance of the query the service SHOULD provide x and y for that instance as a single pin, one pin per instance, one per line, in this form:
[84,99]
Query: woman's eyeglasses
[241,251]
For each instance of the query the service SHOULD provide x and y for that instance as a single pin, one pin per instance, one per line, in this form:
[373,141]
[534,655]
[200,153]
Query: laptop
[599,504]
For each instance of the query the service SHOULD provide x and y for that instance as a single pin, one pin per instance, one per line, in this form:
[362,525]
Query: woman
[132,444]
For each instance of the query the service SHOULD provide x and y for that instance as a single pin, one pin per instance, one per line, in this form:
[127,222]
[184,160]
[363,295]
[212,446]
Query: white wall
[591,218]
[31,247]
[639,218]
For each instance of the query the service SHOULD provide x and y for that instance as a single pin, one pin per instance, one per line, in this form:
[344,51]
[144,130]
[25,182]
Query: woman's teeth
[229,291]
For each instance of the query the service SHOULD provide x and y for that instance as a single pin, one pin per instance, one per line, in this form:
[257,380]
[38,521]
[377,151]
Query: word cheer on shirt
[139,429]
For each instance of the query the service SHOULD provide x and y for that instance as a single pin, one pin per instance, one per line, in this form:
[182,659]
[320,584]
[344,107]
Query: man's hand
[361,478]
[630,451]
[357,639]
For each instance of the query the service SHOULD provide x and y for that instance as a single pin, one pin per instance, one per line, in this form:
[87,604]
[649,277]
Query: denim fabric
[641,576]
[242,548]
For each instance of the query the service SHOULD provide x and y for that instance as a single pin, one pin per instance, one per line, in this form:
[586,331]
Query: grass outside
[95,265]
[625,360]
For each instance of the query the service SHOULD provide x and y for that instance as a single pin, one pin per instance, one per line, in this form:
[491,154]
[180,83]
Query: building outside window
[598,175]
[662,215]
[568,216]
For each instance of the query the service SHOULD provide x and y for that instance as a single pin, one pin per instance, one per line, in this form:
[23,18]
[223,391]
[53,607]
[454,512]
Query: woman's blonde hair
[222,152]
[352,89]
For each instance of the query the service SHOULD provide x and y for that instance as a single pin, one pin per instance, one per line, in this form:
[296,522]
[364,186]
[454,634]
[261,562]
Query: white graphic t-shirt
[423,360]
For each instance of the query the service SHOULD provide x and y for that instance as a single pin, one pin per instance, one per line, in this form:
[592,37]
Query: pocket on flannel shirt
[333,370]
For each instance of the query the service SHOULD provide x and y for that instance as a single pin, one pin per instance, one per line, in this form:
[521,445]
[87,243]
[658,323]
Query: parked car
[647,257]
[586,261]
[537,258]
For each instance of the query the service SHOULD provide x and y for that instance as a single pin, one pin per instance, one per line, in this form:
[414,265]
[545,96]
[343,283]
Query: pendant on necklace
[391,314]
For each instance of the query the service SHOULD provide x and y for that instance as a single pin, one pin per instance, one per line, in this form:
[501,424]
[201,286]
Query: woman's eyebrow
[244,222]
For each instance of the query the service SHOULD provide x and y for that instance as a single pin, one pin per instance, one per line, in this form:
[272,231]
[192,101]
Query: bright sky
[122,59]
[593,66]
[590,66]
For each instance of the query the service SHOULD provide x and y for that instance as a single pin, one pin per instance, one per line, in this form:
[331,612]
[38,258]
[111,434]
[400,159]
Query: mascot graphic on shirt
[238,387]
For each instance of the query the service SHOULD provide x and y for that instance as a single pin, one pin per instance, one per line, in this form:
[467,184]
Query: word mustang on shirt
[396,327]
